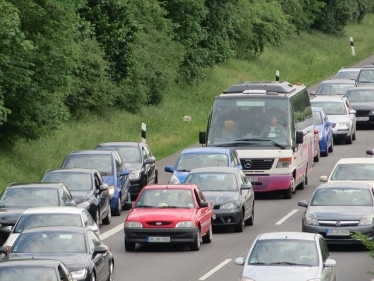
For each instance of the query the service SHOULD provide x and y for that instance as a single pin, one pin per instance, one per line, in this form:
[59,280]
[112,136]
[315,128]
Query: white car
[288,256]
[347,73]
[341,114]
[352,169]
[51,216]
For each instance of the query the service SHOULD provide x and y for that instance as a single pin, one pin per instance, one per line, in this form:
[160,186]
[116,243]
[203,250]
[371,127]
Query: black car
[88,189]
[81,249]
[362,100]
[17,197]
[112,169]
[34,269]
[139,161]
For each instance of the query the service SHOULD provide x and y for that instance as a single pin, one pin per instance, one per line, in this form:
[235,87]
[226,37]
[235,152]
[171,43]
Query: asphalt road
[215,261]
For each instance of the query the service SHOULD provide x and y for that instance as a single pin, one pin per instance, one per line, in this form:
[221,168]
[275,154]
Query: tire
[156,176]
[93,276]
[251,220]
[316,158]
[207,238]
[354,136]
[111,276]
[239,227]
[287,194]
[108,218]
[118,209]
[331,148]
[348,140]
[127,205]
[195,245]
[129,246]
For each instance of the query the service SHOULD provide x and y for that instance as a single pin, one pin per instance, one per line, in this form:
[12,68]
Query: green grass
[308,59]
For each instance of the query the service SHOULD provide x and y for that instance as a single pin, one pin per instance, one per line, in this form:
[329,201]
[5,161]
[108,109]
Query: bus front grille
[256,164]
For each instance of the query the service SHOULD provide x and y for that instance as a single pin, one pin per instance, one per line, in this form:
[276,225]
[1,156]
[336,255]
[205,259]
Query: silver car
[341,114]
[291,256]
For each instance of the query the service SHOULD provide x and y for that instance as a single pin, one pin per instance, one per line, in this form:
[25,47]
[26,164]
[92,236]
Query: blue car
[111,168]
[191,158]
[324,127]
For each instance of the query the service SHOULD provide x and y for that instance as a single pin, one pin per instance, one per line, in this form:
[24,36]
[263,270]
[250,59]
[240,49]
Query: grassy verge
[308,59]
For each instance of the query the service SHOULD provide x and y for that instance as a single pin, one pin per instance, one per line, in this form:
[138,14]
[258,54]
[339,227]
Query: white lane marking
[222,264]
[111,231]
[287,216]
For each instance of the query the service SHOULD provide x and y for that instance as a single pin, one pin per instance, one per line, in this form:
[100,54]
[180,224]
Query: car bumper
[270,182]
[176,235]
[226,217]
[341,133]
[340,239]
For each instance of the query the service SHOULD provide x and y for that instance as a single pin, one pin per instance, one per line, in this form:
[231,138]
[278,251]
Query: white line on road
[111,231]
[222,264]
[286,216]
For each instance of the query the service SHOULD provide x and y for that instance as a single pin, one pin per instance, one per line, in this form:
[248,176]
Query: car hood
[80,196]
[340,212]
[219,197]
[133,166]
[338,118]
[9,216]
[73,261]
[368,105]
[148,214]
[284,272]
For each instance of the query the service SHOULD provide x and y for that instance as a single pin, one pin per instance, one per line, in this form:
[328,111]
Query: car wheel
[156,176]
[239,227]
[348,140]
[251,220]
[354,136]
[111,272]
[129,246]
[117,210]
[108,218]
[93,277]
[127,205]
[195,245]
[207,238]
[331,148]
[287,194]
[97,217]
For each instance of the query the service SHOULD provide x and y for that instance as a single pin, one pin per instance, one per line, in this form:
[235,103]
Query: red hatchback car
[169,214]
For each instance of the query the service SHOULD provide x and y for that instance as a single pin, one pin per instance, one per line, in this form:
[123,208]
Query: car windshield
[28,274]
[47,219]
[214,181]
[189,161]
[347,74]
[29,197]
[317,118]
[129,154]
[366,76]
[50,242]
[72,180]
[360,95]
[331,108]
[334,89]
[102,163]
[284,252]
[356,171]
[161,198]
[342,197]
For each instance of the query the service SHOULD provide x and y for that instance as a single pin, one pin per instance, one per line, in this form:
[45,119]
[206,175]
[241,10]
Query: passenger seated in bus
[273,129]
[229,130]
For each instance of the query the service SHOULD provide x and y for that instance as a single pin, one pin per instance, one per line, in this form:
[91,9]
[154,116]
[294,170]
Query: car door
[247,195]
[148,163]
[204,215]
[100,261]
[103,197]
[122,181]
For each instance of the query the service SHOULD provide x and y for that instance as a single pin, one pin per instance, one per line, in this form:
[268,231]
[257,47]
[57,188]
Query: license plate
[158,239]
[253,179]
[338,232]
[362,118]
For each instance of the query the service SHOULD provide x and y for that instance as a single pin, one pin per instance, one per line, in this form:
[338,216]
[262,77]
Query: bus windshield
[264,121]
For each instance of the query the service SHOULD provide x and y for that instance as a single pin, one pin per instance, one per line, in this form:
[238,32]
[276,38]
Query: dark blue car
[191,158]
[324,127]
[113,171]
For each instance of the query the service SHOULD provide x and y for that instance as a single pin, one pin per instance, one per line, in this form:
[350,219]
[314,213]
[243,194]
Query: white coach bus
[271,126]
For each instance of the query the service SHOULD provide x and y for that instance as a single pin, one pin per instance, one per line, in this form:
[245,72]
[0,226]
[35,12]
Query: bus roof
[263,87]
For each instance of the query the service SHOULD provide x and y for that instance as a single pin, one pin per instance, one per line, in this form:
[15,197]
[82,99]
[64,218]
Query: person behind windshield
[273,129]
[229,130]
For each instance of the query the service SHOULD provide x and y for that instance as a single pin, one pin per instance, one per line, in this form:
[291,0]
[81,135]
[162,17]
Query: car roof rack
[268,86]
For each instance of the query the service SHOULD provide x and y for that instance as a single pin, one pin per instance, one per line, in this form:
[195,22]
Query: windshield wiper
[273,142]
[258,263]
[144,206]
[183,170]
[284,262]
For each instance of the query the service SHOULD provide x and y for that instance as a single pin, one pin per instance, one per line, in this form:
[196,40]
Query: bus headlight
[284,162]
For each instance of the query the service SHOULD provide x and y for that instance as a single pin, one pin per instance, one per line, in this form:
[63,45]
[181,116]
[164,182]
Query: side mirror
[169,169]
[312,93]
[150,160]
[370,152]
[202,137]
[124,173]
[323,178]
[102,249]
[328,123]
[203,204]
[103,187]
[246,186]
[299,137]
[302,203]
[352,111]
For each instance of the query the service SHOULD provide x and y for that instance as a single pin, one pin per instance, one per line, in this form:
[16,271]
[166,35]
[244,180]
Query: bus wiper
[273,142]
[234,143]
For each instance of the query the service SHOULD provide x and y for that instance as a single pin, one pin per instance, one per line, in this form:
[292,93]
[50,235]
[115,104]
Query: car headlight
[188,224]
[227,206]
[174,180]
[311,220]
[343,125]
[134,175]
[85,204]
[320,135]
[366,220]
[79,274]
[111,189]
[133,224]
[284,162]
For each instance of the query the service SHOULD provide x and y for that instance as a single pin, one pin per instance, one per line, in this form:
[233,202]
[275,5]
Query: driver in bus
[273,129]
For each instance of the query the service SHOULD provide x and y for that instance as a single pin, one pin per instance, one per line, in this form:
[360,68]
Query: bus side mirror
[202,138]
[299,137]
